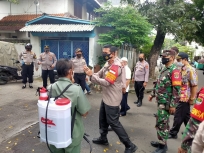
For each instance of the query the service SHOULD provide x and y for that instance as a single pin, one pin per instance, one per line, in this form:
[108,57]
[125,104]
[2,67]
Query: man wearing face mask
[28,58]
[48,61]
[167,93]
[178,64]
[140,77]
[79,102]
[188,94]
[78,66]
[113,81]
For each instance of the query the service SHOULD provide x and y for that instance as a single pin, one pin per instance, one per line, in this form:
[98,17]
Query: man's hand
[36,69]
[191,102]
[52,66]
[133,80]
[150,98]
[84,115]
[145,84]
[88,71]
[39,63]
[181,150]
[124,90]
[172,110]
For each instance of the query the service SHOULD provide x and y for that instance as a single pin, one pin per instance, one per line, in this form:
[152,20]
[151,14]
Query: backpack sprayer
[55,119]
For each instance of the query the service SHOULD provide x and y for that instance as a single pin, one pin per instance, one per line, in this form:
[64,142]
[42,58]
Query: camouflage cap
[168,52]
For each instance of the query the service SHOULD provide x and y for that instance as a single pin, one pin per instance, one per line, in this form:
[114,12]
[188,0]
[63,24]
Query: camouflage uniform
[189,134]
[166,91]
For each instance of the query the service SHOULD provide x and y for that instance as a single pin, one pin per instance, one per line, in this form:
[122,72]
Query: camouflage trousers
[189,134]
[162,125]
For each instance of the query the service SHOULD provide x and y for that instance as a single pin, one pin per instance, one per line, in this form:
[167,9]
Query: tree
[126,26]
[187,49]
[167,16]
[13,1]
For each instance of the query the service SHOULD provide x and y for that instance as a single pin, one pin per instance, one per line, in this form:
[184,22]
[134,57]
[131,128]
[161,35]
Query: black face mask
[165,60]
[78,55]
[106,56]
[141,59]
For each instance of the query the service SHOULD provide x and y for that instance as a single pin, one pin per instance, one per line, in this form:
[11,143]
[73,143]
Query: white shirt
[127,75]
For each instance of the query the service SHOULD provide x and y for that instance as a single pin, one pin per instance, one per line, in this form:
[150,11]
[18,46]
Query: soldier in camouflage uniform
[166,91]
[188,135]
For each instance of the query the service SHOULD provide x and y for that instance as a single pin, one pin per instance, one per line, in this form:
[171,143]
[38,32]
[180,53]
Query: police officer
[113,81]
[28,58]
[48,61]
[140,77]
[78,99]
[78,66]
[167,93]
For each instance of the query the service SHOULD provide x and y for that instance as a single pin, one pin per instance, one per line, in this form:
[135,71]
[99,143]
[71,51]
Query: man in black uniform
[28,58]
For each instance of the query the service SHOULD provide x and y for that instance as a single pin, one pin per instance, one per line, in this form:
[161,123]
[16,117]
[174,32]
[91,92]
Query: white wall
[28,7]
[70,6]
[198,50]
[36,43]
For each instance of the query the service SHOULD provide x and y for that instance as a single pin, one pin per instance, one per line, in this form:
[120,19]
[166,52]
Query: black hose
[46,121]
[87,140]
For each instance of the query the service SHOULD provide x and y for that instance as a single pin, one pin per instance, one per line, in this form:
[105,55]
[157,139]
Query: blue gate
[66,48]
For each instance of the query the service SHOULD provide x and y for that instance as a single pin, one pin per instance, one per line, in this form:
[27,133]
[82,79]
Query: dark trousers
[124,105]
[27,72]
[182,115]
[79,78]
[45,73]
[109,115]
[139,89]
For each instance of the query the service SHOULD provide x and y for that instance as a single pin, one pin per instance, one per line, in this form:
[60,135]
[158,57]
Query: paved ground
[18,110]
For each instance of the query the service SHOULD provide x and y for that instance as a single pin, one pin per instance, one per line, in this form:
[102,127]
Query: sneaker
[89,92]
[24,86]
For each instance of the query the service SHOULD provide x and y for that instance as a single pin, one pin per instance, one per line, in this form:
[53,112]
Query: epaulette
[76,84]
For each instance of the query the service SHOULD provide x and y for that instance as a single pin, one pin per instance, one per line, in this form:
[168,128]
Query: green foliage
[187,49]
[101,61]
[168,43]
[126,26]
[13,1]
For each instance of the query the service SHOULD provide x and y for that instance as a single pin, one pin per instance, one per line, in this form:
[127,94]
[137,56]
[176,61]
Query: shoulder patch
[176,77]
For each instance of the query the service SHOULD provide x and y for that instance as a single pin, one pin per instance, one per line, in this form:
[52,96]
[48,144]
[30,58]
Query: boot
[139,103]
[136,102]
[161,149]
[100,140]
[155,144]
[130,147]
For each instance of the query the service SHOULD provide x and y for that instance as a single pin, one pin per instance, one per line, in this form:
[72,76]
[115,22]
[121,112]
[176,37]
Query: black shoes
[31,86]
[154,144]
[136,102]
[139,103]
[102,141]
[131,149]
[24,86]
[161,149]
[173,136]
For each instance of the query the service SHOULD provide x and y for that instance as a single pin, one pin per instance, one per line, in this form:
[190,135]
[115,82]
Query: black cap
[182,55]
[46,47]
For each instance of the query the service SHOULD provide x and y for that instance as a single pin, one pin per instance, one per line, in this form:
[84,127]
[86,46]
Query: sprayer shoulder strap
[63,91]
[73,120]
